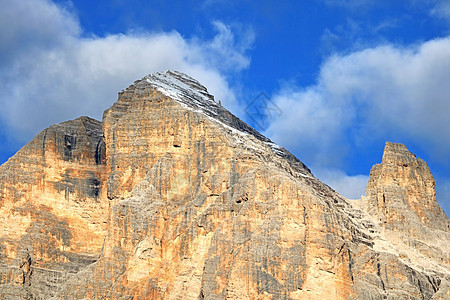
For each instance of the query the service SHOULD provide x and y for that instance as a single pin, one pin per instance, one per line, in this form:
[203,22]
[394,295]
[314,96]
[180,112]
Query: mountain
[173,197]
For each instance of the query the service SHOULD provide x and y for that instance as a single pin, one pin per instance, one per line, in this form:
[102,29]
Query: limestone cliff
[401,199]
[176,198]
[52,213]
[401,192]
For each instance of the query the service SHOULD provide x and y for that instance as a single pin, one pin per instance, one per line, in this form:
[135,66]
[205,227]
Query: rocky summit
[173,197]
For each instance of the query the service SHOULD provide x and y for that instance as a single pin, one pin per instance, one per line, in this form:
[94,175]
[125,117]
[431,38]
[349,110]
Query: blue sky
[346,75]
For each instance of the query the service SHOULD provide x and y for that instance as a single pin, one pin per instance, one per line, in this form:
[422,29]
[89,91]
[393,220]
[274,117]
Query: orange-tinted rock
[402,190]
[401,199]
[51,209]
[198,205]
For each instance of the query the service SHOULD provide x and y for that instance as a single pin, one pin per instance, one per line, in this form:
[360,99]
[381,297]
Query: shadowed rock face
[51,208]
[175,198]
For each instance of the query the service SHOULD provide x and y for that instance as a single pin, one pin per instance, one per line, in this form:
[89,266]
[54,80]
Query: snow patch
[194,96]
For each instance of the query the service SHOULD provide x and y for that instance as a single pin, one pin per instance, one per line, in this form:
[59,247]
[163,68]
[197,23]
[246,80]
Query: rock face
[402,192]
[401,197]
[52,211]
[176,198]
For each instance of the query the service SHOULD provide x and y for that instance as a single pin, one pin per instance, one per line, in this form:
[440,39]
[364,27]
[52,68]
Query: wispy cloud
[441,9]
[226,51]
[350,186]
[50,72]
[356,34]
[351,4]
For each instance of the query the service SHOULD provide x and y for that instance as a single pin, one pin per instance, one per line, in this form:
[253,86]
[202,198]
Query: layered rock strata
[192,203]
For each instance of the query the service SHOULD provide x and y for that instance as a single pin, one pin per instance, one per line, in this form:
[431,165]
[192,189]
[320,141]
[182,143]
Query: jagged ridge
[192,94]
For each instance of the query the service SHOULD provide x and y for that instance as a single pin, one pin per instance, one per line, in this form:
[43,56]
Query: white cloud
[352,187]
[365,98]
[309,125]
[378,92]
[395,90]
[224,51]
[51,73]
[27,26]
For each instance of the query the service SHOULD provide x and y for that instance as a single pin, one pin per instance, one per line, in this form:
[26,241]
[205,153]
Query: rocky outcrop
[52,211]
[401,199]
[193,203]
[402,194]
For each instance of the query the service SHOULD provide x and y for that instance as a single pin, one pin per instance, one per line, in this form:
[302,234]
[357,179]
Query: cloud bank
[352,187]
[50,71]
[367,97]
[380,92]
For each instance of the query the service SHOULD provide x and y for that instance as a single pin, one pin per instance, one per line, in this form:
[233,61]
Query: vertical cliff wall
[401,192]
[52,212]
[401,199]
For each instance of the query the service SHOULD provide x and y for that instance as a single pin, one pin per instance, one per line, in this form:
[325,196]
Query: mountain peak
[171,196]
[191,94]
[403,183]
[397,153]
[179,86]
